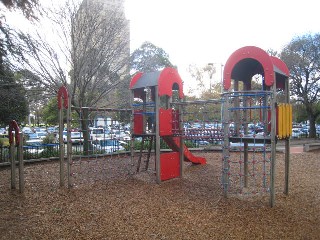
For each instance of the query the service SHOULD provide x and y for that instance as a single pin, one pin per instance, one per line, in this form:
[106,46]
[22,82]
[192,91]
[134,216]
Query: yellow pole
[280,121]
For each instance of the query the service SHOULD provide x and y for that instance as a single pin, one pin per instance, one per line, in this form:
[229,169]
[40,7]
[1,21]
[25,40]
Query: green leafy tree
[149,58]
[302,56]
[50,112]
[12,98]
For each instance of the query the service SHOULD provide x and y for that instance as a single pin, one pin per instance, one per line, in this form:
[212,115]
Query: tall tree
[89,52]
[149,58]
[9,47]
[302,56]
[201,75]
[12,95]
[12,98]
[26,6]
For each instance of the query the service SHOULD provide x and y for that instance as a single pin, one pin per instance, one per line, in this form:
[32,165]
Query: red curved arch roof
[248,61]
[166,80]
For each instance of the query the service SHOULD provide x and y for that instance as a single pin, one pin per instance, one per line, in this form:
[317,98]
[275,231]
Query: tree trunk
[85,131]
[312,124]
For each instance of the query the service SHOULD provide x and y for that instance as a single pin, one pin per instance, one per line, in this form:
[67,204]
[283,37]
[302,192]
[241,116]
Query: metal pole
[61,146]
[13,162]
[273,145]
[21,165]
[181,150]
[69,146]
[225,146]
[157,137]
[132,129]
[287,143]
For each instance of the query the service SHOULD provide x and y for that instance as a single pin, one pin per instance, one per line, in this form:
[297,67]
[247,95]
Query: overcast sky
[209,31]
[203,31]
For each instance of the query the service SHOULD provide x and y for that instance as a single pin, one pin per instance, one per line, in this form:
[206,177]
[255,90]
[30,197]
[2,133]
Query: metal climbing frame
[201,121]
[247,130]
[244,106]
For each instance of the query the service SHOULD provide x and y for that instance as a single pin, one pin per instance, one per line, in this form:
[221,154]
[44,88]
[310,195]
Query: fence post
[21,165]
[13,165]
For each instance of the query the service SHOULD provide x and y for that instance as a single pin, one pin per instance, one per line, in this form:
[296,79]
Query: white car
[296,133]
[76,137]
[107,145]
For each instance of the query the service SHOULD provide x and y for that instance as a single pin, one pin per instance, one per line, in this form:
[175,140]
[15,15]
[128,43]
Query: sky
[207,31]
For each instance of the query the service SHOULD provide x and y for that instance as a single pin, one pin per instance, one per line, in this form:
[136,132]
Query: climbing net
[247,158]
[201,122]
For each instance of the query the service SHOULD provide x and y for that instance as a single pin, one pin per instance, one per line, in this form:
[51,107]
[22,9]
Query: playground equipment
[92,162]
[16,152]
[158,115]
[63,95]
[154,118]
[274,118]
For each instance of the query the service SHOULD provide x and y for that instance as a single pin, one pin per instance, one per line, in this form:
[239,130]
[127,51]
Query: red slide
[174,144]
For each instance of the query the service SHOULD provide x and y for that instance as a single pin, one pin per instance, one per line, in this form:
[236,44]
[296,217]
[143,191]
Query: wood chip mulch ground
[107,201]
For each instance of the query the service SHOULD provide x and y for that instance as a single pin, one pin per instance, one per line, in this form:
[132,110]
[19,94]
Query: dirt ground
[107,201]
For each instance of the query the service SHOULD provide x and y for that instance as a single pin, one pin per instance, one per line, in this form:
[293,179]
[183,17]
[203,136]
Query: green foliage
[4,142]
[12,98]
[51,113]
[149,58]
[50,138]
[302,56]
[50,151]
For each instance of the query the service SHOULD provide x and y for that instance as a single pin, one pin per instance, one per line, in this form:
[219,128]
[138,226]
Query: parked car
[32,136]
[27,130]
[296,133]
[42,135]
[107,145]
[34,146]
[76,137]
[96,133]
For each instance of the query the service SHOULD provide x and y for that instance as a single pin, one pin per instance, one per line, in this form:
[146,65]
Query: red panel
[249,52]
[281,65]
[170,165]
[135,79]
[168,77]
[138,122]
[63,94]
[165,124]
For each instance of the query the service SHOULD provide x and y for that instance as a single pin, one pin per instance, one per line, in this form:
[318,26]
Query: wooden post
[247,87]
[69,145]
[13,162]
[287,143]
[273,145]
[61,146]
[225,145]
[157,135]
[181,150]
[21,165]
